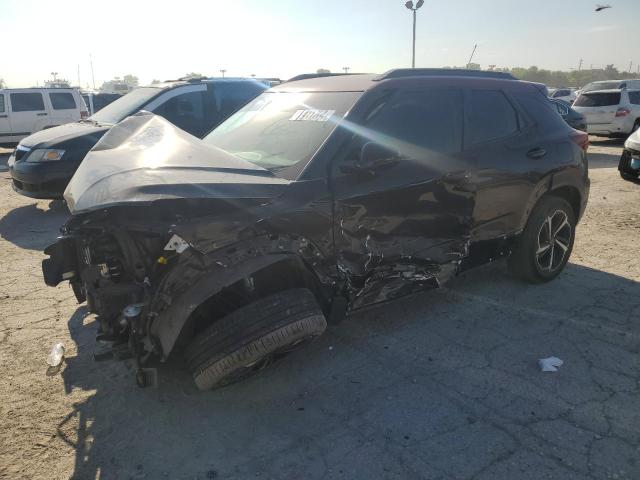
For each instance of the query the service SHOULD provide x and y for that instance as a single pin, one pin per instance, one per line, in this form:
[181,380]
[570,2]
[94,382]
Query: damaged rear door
[403,195]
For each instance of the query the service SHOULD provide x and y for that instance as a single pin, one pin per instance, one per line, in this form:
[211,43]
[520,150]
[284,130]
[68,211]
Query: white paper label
[312,115]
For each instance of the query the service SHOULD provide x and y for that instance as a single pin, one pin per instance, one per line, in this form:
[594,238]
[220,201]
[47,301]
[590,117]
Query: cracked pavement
[440,385]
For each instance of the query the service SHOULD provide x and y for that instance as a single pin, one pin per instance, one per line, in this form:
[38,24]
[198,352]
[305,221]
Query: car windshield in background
[280,129]
[601,86]
[125,106]
[598,99]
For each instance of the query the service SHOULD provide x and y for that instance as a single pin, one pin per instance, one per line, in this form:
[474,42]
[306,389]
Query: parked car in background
[574,119]
[319,196]
[564,94]
[629,165]
[24,111]
[633,84]
[96,101]
[43,163]
[610,113]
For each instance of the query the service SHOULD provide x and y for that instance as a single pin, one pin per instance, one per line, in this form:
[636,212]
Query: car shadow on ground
[605,160]
[441,384]
[33,228]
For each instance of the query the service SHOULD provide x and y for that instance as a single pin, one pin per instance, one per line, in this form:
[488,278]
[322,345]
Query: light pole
[223,71]
[346,69]
[410,6]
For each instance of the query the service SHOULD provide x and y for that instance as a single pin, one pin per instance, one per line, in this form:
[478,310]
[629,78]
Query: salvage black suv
[319,197]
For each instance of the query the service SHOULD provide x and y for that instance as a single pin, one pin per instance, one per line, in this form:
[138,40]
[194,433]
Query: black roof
[443,72]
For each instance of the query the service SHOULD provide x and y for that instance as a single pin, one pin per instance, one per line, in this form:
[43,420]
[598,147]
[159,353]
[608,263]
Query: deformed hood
[146,158]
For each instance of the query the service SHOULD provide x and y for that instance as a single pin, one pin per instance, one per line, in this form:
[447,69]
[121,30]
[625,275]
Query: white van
[24,111]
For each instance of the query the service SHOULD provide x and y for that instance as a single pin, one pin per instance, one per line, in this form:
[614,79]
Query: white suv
[25,111]
[610,113]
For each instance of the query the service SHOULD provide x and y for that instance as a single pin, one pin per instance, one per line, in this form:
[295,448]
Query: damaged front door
[403,196]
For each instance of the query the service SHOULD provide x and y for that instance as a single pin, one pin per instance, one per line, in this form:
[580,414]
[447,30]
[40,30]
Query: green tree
[191,75]
[2,83]
[130,80]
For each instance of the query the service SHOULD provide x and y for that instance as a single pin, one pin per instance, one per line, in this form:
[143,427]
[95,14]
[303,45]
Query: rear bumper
[618,128]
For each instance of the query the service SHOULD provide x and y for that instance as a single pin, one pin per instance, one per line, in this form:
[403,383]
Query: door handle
[42,114]
[536,153]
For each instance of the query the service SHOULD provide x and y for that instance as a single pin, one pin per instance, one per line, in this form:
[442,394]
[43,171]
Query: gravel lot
[440,385]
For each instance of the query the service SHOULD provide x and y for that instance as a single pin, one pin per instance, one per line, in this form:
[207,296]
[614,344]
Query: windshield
[280,129]
[125,105]
[601,86]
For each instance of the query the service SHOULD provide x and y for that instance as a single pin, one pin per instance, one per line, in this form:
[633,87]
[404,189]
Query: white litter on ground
[550,364]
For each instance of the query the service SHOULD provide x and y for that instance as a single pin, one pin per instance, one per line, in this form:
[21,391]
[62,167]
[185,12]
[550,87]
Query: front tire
[252,337]
[545,245]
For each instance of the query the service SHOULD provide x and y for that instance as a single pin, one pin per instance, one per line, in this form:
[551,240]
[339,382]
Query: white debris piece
[176,243]
[56,355]
[550,364]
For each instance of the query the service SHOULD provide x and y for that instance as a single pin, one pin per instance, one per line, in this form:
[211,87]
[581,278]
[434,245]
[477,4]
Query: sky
[281,38]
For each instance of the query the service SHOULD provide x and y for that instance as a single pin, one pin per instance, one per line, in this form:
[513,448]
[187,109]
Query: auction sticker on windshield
[312,115]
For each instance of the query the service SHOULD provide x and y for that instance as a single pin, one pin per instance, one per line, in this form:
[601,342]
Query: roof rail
[306,76]
[442,72]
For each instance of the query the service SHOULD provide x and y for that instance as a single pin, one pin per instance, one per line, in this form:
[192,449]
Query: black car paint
[353,238]
[48,180]
[624,165]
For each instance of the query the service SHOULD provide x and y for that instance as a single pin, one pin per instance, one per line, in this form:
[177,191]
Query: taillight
[622,112]
[84,114]
[580,138]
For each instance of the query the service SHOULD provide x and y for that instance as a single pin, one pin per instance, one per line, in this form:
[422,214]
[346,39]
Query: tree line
[559,78]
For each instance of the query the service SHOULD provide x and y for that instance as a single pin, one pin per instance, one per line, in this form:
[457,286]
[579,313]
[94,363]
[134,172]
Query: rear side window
[62,101]
[26,102]
[429,119]
[543,112]
[1,103]
[599,99]
[231,96]
[490,116]
[185,111]
[634,98]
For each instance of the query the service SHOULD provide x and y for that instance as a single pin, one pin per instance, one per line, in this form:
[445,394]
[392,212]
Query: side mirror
[377,156]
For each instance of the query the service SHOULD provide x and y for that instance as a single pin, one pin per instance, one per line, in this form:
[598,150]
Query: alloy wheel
[554,240]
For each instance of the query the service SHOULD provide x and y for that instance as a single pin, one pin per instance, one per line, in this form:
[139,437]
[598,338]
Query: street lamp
[223,71]
[346,69]
[410,6]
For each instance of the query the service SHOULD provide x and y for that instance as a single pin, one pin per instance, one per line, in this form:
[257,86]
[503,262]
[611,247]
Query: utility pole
[346,69]
[93,79]
[410,6]
[472,54]
[580,65]
[223,71]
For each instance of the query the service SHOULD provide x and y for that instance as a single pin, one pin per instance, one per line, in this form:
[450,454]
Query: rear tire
[252,337]
[545,245]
